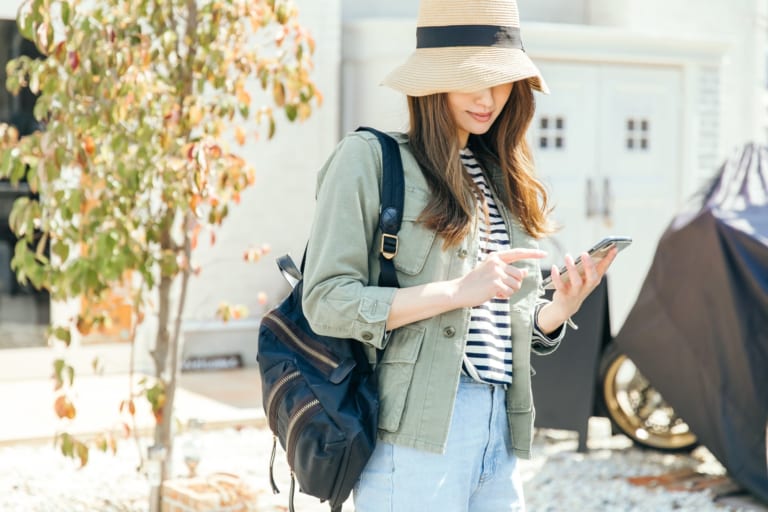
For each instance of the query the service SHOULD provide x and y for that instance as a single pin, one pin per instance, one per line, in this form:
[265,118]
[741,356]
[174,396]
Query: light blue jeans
[477,473]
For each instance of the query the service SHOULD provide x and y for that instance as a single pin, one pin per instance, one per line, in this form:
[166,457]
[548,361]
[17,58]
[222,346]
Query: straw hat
[465,46]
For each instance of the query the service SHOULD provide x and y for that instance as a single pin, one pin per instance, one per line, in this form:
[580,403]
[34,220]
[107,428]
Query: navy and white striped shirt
[488,351]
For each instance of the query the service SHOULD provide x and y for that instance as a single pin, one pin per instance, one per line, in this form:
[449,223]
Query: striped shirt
[488,350]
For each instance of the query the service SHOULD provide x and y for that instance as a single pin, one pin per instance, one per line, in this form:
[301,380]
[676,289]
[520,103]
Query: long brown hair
[434,144]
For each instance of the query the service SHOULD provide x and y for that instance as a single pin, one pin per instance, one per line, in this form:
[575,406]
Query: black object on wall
[20,305]
[564,387]
[699,328]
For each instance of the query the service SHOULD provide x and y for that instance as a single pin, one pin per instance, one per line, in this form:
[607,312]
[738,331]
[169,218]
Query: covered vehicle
[699,328]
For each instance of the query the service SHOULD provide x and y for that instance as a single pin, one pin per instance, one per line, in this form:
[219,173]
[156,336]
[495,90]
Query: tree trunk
[167,346]
[164,417]
[166,359]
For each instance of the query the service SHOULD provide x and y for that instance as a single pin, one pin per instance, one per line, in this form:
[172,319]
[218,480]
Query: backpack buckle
[388,245]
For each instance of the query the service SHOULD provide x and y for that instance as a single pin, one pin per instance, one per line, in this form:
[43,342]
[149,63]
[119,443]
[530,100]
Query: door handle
[607,203]
[591,199]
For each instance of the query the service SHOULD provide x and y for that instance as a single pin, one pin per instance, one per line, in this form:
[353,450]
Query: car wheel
[637,409]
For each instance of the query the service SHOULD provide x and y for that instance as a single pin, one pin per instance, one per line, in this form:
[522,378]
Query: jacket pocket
[416,240]
[395,372]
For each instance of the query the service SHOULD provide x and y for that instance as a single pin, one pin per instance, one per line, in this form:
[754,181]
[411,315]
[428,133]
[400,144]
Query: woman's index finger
[512,255]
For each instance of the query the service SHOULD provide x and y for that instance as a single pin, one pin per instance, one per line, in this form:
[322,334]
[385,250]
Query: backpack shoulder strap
[390,214]
[391,210]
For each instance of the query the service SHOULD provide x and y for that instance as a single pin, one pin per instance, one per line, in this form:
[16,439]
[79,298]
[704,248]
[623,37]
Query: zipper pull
[275,490]
[290,494]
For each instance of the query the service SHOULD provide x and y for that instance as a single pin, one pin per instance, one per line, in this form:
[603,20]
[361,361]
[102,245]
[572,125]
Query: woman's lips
[482,118]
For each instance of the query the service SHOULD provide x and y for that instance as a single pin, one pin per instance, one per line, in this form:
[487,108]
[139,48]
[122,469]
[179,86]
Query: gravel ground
[38,479]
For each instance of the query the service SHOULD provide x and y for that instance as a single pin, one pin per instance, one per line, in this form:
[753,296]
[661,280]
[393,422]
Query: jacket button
[449,331]
[462,253]
[367,336]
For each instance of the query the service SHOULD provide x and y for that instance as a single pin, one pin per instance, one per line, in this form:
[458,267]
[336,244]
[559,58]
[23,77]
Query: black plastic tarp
[699,328]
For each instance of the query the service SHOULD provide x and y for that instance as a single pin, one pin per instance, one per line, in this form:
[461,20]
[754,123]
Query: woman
[454,379]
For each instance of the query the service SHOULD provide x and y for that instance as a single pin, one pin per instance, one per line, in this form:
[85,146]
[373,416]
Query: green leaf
[13,84]
[61,250]
[168,265]
[58,366]
[34,83]
[6,163]
[291,111]
[67,445]
[65,335]
[40,110]
[17,172]
[65,12]
[18,215]
[32,180]
[25,23]
[82,452]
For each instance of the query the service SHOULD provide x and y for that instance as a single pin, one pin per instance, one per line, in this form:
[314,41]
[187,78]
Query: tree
[138,100]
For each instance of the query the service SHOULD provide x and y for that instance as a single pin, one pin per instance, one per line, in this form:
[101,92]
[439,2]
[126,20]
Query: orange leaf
[89,145]
[215,151]
[64,407]
[304,111]
[195,115]
[243,97]
[82,453]
[240,135]
[84,325]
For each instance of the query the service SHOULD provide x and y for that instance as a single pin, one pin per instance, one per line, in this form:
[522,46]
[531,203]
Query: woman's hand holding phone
[570,294]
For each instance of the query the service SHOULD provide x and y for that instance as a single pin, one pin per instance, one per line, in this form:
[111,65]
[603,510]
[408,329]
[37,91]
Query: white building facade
[647,99]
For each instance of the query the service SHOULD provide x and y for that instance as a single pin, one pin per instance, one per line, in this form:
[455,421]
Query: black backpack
[319,393]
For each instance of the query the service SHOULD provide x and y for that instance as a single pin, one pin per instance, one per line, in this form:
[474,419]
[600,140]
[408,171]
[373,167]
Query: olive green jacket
[419,372]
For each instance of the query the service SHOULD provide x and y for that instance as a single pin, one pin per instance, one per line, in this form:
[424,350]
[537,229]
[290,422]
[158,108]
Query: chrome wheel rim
[640,411]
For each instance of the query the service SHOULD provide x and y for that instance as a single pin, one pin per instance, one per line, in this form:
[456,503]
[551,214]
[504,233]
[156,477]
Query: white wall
[278,209]
[738,23]
[555,11]
[8,9]
[356,9]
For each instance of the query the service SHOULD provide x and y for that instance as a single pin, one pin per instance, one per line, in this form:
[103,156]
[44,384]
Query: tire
[638,410]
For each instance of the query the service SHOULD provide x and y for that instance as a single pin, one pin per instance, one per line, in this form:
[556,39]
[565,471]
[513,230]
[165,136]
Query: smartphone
[597,252]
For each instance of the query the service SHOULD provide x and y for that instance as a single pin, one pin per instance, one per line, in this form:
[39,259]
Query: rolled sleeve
[543,344]
[337,297]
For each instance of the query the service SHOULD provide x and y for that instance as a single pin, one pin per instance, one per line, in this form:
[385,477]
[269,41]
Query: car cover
[699,328]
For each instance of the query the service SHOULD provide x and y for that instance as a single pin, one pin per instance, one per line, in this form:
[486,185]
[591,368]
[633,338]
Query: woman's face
[475,112]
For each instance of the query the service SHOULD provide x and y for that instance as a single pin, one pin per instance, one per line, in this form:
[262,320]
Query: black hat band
[468,35]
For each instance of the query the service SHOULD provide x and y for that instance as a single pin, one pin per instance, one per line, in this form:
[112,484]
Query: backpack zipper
[309,351]
[297,421]
[281,387]
[277,393]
